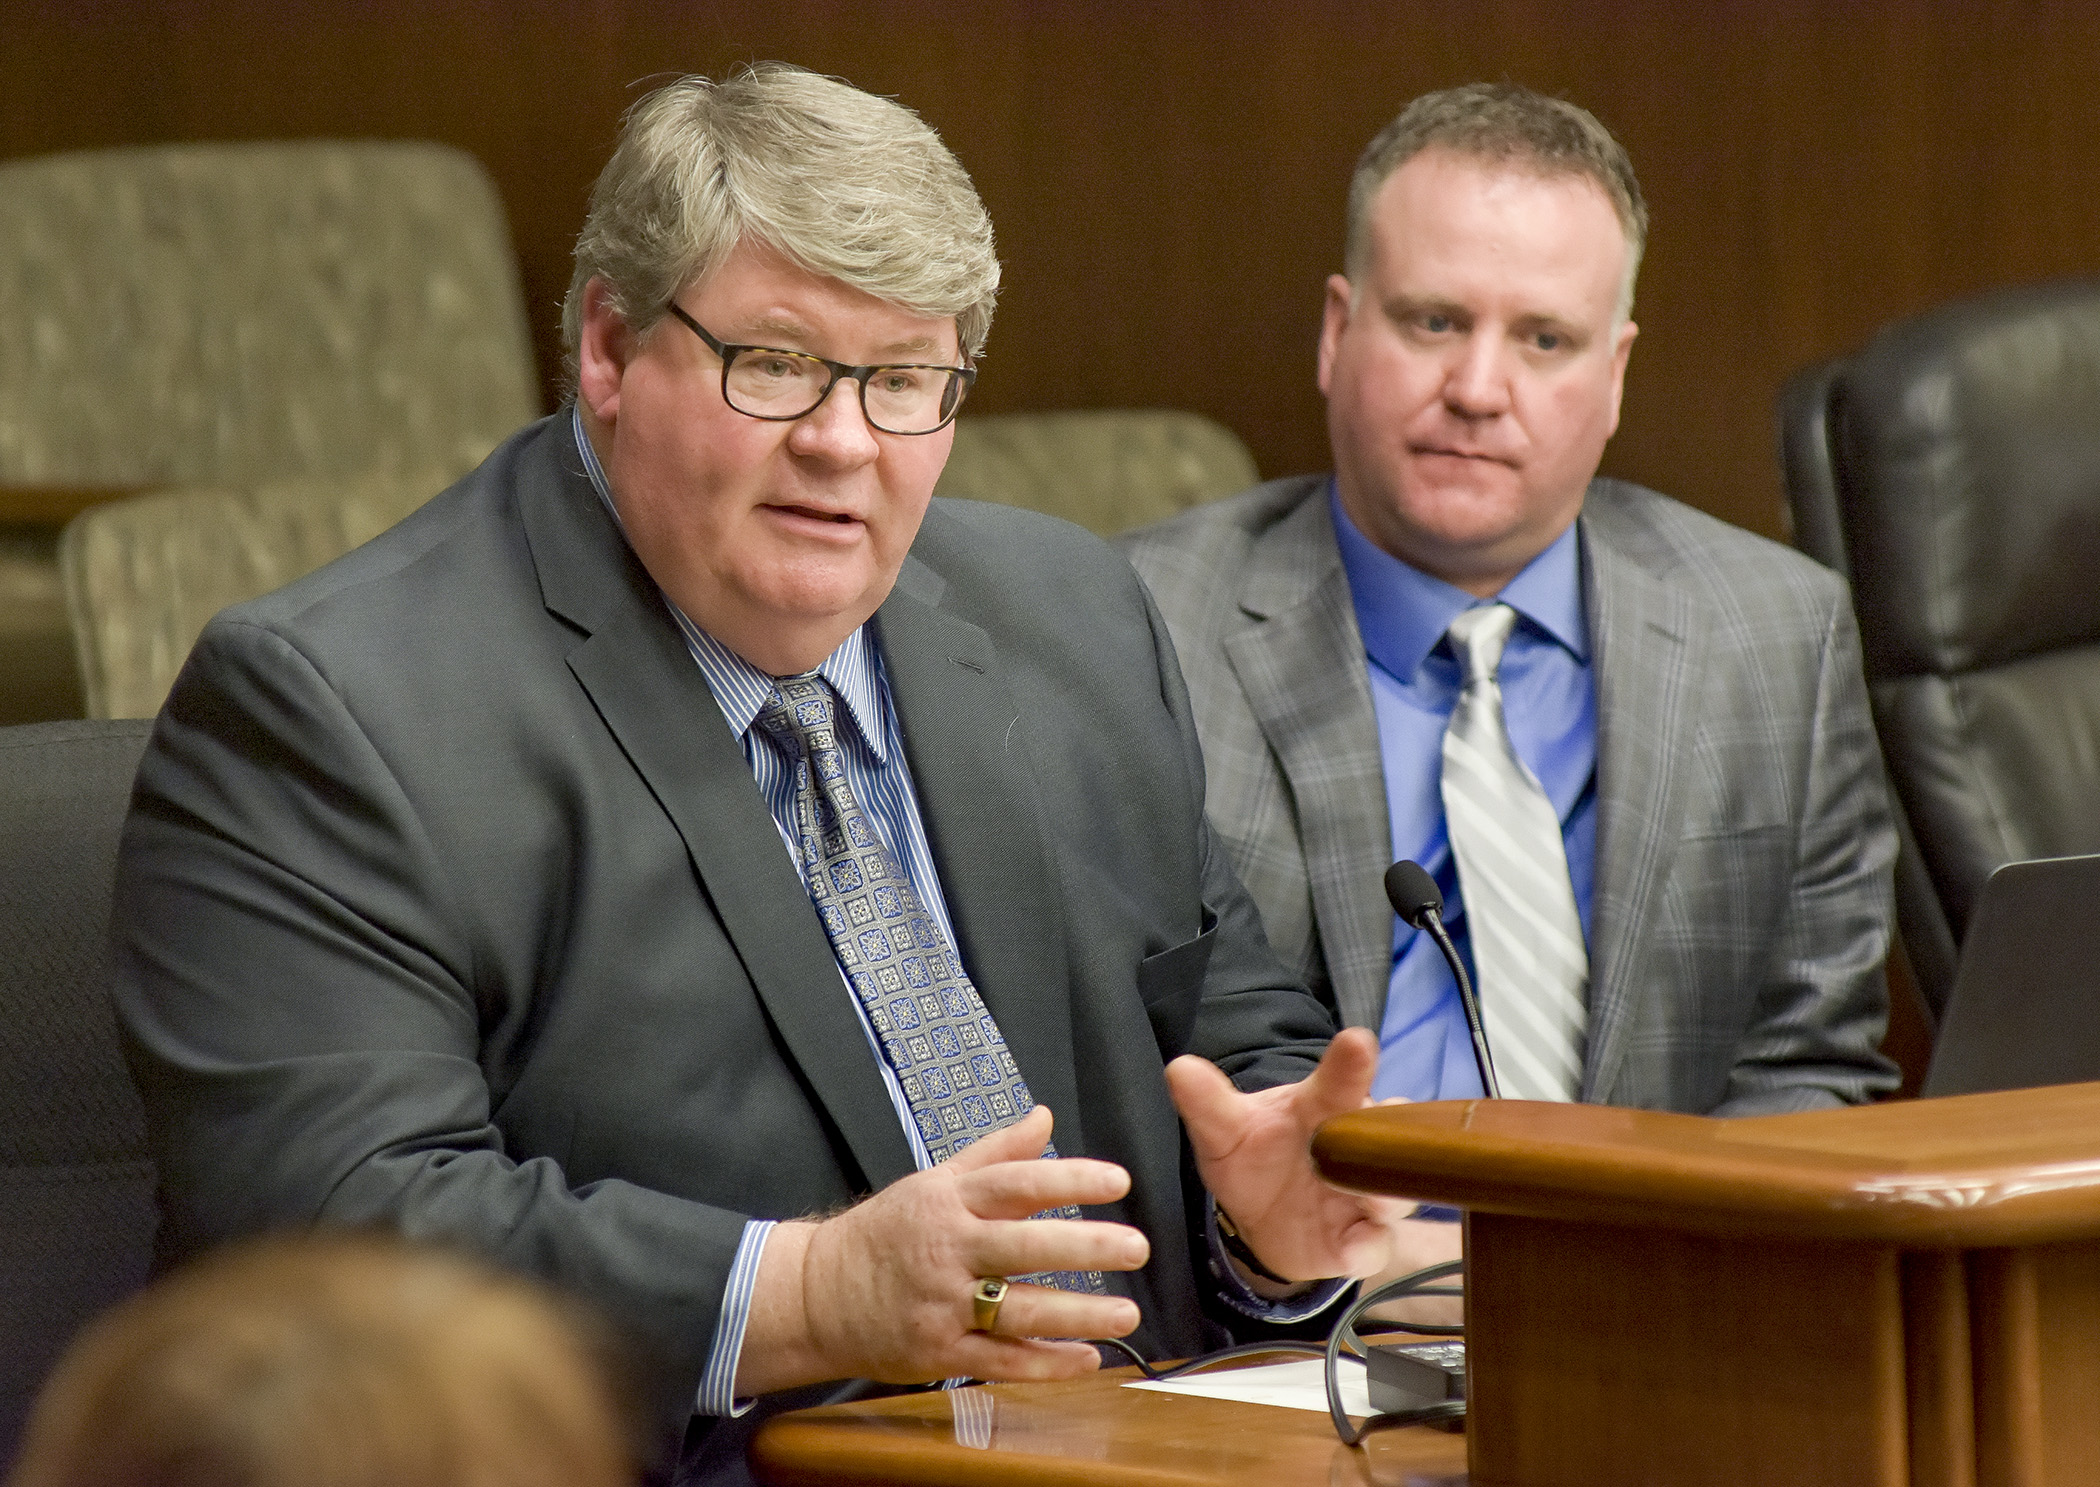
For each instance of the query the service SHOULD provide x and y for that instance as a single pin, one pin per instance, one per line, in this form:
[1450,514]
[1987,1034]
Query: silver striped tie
[1513,875]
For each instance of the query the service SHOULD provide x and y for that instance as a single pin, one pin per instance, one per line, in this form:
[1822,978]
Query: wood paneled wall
[1168,178]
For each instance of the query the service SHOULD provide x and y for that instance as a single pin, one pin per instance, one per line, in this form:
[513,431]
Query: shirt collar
[741,689]
[1403,612]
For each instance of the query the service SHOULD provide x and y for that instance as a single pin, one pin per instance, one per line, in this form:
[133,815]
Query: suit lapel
[635,667]
[977,794]
[1301,667]
[1647,639]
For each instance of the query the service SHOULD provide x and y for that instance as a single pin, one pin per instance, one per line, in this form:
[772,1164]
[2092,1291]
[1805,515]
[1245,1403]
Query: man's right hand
[882,1290]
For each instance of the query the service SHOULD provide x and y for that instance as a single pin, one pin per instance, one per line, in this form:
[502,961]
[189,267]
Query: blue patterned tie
[958,1076]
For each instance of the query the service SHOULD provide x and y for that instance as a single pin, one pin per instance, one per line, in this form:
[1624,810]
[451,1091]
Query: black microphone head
[1412,892]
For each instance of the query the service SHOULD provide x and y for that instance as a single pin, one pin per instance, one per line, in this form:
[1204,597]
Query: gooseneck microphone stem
[1437,932]
[1414,897]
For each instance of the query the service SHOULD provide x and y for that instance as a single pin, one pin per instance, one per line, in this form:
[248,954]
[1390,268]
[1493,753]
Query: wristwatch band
[1240,1250]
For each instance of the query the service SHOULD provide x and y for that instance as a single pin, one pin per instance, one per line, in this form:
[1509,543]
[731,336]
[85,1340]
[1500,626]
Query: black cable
[1197,1365]
[1344,1333]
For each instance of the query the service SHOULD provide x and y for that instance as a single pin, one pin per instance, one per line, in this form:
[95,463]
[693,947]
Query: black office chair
[76,1185]
[1951,470]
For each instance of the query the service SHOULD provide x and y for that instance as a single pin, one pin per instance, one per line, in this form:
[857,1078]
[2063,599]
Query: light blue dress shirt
[1549,700]
[880,778]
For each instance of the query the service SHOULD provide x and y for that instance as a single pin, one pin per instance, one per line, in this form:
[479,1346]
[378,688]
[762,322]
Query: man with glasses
[768,382]
[681,863]
[1629,741]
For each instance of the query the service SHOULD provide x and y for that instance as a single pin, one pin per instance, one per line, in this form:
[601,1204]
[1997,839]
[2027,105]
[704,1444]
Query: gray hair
[839,182]
[1509,125]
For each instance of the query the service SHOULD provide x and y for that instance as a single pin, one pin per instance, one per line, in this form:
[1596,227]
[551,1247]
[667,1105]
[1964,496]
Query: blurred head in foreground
[340,1361]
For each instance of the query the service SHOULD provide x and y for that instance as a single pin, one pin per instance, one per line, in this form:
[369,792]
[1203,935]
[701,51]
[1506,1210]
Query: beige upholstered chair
[1108,470]
[37,676]
[232,315]
[143,575]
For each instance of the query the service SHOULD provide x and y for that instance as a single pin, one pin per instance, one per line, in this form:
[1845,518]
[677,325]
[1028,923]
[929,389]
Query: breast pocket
[1171,986]
[1738,792]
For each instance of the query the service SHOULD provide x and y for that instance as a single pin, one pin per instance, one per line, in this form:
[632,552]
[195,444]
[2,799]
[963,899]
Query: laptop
[2025,1009]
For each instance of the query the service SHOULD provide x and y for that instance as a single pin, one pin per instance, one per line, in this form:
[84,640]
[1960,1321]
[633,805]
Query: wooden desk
[1900,1295]
[1091,1432]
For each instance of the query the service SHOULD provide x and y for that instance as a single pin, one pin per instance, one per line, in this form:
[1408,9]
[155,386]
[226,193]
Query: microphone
[1414,897]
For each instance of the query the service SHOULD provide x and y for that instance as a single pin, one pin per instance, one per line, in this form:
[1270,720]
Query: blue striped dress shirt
[1550,707]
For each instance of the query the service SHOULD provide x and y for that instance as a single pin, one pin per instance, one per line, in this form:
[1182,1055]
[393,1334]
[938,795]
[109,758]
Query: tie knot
[1480,634]
[800,713]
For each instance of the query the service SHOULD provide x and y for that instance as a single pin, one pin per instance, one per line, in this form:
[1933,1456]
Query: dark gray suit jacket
[1744,843]
[447,902]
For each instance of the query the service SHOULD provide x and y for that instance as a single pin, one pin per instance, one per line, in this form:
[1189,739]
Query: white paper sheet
[1297,1385]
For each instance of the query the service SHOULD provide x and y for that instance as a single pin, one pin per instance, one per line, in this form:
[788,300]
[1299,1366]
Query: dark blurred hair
[337,1361]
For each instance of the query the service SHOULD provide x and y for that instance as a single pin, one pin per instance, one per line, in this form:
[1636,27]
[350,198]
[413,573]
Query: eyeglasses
[781,386]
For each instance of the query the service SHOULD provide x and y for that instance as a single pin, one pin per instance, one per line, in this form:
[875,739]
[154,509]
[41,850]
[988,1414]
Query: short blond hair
[341,1361]
[1502,124]
[839,182]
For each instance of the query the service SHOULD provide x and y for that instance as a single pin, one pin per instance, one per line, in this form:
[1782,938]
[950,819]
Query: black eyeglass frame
[729,351]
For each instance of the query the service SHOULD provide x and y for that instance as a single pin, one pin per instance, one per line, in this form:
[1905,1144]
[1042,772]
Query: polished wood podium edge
[2013,1168]
[1088,1432]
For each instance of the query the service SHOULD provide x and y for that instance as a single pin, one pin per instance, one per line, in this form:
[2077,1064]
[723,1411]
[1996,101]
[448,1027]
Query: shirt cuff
[1243,1299]
[718,1379]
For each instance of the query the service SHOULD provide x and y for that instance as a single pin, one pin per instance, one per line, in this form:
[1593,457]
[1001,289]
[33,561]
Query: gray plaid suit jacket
[1744,843]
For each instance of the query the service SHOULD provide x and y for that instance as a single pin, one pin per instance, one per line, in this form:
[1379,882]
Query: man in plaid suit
[1688,695]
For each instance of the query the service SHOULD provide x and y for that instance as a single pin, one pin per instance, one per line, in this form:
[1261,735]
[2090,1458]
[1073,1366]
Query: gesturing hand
[882,1291]
[1255,1155]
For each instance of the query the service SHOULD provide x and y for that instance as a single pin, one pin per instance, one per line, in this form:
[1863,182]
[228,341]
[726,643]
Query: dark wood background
[1168,178]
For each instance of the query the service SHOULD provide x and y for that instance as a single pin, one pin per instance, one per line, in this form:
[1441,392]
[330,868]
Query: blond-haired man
[679,831]
[1629,741]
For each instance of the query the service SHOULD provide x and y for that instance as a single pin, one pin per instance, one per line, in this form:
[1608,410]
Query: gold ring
[985,1301]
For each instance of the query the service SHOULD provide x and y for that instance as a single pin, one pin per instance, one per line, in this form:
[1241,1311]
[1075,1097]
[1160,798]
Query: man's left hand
[1255,1155]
